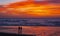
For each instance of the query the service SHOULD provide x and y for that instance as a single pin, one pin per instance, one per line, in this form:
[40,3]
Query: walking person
[19,30]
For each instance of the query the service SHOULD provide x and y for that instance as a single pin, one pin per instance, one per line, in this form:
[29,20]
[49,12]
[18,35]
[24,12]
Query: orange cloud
[32,10]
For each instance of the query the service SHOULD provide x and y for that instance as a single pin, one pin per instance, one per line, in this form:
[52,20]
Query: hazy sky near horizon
[4,2]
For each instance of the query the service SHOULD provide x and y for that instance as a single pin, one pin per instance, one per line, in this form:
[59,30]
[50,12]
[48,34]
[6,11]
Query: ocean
[29,22]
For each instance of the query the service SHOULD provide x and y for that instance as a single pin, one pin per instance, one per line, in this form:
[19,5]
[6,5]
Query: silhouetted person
[19,30]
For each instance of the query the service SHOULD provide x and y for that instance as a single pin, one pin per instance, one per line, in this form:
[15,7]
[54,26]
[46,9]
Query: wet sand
[9,29]
[41,30]
[32,30]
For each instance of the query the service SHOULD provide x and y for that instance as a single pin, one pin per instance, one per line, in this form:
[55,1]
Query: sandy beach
[41,30]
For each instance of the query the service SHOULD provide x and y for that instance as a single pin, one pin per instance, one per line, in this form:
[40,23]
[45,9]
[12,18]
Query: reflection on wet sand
[32,30]
[9,29]
[41,30]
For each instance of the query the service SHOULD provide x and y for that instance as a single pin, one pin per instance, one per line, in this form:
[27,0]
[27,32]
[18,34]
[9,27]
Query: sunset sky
[3,2]
[29,8]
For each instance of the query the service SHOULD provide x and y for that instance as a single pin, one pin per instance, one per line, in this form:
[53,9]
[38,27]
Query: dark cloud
[54,1]
[50,1]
